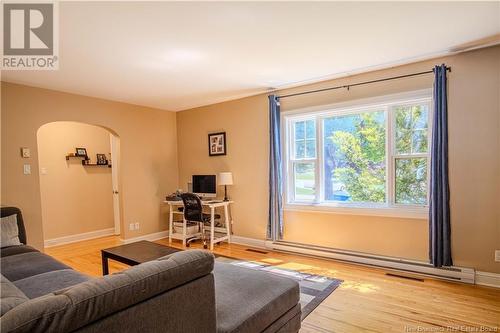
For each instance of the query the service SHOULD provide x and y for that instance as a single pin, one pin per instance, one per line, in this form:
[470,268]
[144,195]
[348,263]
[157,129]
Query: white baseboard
[488,279]
[149,237]
[79,237]
[458,274]
[258,243]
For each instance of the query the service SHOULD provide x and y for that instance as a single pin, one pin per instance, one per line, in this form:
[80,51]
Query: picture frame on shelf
[82,152]
[101,159]
[217,144]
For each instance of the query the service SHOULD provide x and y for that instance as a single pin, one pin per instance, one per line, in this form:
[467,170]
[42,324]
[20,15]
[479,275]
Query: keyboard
[212,201]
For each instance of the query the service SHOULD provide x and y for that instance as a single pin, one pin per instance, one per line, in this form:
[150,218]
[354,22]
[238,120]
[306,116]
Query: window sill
[419,212]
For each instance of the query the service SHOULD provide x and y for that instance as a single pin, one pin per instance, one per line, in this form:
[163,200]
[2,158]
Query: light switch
[43,171]
[27,169]
[25,152]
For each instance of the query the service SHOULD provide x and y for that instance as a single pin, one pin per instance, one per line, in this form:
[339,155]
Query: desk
[173,205]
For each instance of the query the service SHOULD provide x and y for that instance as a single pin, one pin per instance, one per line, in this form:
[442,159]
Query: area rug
[314,289]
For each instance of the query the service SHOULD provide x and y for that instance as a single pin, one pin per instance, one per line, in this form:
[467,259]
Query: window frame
[292,161]
[381,103]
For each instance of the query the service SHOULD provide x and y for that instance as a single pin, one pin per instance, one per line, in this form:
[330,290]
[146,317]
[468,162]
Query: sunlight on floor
[359,286]
[331,273]
[296,266]
[271,261]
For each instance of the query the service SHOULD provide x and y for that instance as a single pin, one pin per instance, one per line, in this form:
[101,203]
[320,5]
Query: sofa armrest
[84,303]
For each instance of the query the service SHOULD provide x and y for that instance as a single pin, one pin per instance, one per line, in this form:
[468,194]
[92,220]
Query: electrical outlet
[131,226]
[136,225]
[497,255]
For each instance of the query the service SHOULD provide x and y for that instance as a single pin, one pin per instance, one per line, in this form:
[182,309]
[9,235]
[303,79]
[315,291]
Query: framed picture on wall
[81,152]
[217,144]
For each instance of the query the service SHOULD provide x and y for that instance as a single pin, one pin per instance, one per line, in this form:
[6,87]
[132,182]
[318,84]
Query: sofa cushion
[46,283]
[21,266]
[10,295]
[77,306]
[10,232]
[249,300]
[8,211]
[13,250]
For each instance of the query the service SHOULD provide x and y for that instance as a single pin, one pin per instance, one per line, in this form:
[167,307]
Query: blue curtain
[439,206]
[275,223]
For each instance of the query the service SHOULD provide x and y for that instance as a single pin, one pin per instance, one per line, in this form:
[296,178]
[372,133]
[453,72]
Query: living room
[345,167]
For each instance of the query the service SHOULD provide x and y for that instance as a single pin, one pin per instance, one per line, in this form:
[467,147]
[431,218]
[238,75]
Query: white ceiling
[178,55]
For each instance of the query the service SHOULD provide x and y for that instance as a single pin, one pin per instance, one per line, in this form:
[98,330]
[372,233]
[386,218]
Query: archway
[79,181]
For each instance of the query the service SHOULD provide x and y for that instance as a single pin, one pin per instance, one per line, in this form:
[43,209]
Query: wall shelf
[85,158]
[85,161]
[95,164]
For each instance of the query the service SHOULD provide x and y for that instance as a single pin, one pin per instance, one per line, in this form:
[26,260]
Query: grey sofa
[184,292]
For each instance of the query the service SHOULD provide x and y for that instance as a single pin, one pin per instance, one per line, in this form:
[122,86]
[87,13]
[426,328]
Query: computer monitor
[205,186]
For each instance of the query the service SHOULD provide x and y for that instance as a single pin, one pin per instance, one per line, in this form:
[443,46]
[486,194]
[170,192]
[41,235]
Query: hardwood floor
[367,301]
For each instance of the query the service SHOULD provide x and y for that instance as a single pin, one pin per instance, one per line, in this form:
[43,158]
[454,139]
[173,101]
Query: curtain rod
[347,86]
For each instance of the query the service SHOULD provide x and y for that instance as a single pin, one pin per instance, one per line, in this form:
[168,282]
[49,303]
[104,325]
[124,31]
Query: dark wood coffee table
[134,253]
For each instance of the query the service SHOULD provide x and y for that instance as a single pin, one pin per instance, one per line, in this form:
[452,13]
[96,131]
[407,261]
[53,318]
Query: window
[362,156]
[304,159]
[354,159]
[411,153]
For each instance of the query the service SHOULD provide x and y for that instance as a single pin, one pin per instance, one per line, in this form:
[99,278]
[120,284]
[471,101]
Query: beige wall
[75,199]
[148,153]
[474,158]
[246,124]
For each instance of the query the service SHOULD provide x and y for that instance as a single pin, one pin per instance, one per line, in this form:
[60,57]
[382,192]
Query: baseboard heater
[459,274]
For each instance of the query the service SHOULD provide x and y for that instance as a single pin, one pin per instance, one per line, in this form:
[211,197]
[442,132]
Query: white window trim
[388,209]
[410,212]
